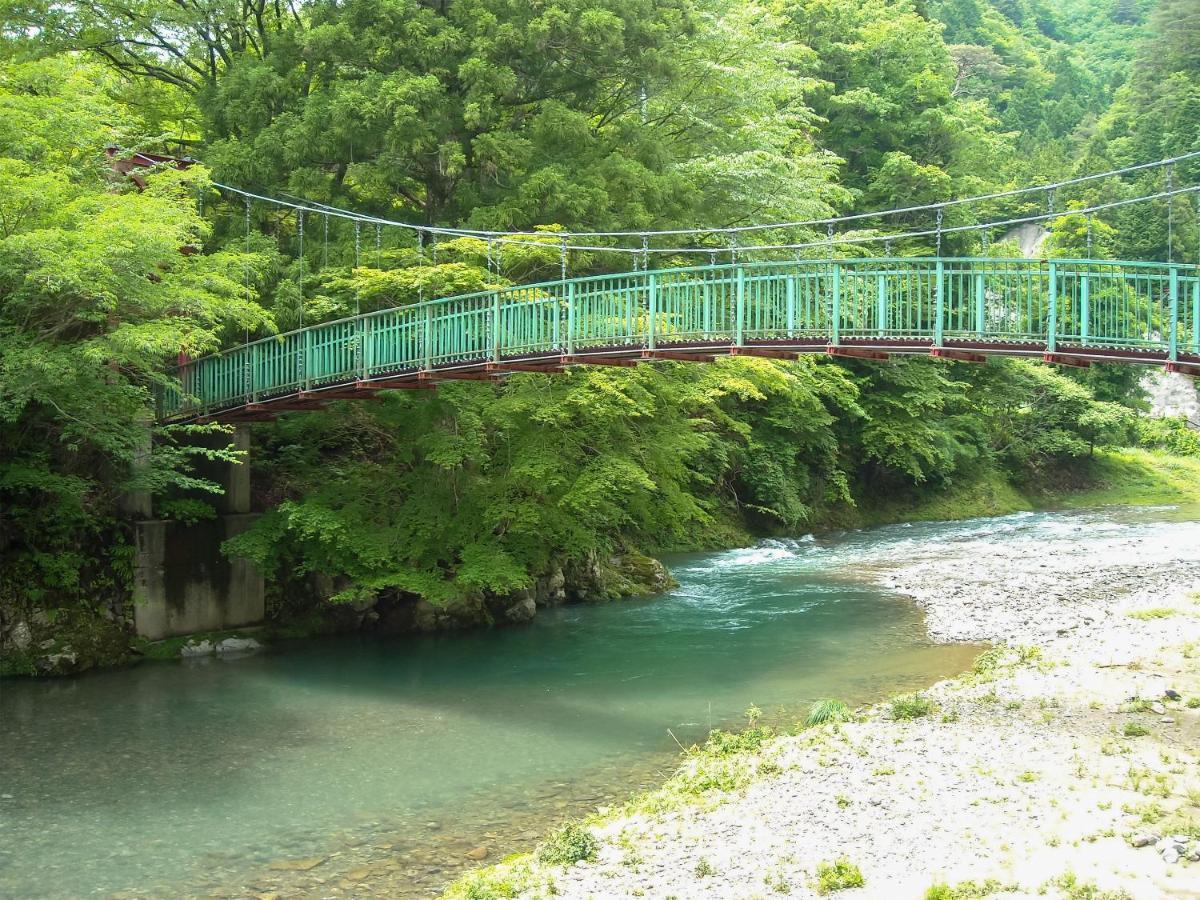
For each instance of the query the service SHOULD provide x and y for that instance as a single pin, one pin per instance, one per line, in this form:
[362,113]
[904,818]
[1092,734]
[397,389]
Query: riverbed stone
[197,648]
[235,645]
[21,636]
[302,864]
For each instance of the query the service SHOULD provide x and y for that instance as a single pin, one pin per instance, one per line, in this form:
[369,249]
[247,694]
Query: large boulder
[598,578]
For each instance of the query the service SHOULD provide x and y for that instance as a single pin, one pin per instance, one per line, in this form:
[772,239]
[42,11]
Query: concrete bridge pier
[182,582]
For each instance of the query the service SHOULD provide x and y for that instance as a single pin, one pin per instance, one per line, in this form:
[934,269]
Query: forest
[510,114]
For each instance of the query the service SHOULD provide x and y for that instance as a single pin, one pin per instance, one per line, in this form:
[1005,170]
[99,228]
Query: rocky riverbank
[1066,764]
[33,642]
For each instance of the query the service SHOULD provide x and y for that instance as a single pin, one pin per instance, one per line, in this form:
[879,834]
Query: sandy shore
[1035,775]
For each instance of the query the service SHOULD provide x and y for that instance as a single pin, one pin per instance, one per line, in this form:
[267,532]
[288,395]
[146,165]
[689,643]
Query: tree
[96,298]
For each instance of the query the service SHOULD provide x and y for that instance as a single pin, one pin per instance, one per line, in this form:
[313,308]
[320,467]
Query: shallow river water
[352,766]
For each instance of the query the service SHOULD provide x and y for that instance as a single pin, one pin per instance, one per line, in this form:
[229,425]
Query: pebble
[238,645]
[1167,720]
[296,865]
[1072,605]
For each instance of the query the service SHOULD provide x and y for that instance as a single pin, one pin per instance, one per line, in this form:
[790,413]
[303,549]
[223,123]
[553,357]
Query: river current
[331,765]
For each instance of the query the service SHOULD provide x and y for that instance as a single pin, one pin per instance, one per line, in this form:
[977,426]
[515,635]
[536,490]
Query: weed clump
[1153,612]
[838,876]
[967,890]
[910,706]
[567,845]
[1135,729]
[827,710]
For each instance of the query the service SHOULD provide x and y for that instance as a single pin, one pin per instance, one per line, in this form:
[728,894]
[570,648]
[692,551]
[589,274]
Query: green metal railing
[1146,309]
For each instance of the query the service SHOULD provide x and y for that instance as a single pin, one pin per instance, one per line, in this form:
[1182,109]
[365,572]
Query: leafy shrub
[568,845]
[827,711]
[911,706]
[731,743]
[838,876]
[1170,433]
[1135,729]
[988,661]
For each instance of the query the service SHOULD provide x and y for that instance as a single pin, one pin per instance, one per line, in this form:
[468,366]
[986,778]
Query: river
[357,765]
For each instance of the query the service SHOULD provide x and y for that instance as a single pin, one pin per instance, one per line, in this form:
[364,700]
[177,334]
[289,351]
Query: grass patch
[1153,612]
[1132,477]
[1074,889]
[838,876]
[1135,729]
[567,845]
[910,706]
[827,711]
[506,880]
[967,890]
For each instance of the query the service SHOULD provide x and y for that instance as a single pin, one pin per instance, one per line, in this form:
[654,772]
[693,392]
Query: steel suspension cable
[714,230]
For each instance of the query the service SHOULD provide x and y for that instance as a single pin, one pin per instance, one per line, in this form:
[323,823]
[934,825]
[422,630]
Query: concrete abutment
[183,583]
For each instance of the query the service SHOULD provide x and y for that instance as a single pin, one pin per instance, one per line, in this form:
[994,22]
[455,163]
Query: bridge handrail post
[245,360]
[1052,310]
[652,305]
[570,318]
[361,366]
[980,303]
[304,348]
[939,303]
[1085,306]
[427,348]
[790,299]
[740,299]
[1173,331]
[1196,314]
[881,303]
[835,324]
[495,326]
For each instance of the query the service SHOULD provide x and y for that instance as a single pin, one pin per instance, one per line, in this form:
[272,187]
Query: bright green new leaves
[100,288]
[478,488]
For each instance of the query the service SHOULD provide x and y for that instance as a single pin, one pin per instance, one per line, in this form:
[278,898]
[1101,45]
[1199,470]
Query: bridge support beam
[957,355]
[1189,369]
[679,355]
[857,353]
[453,375]
[553,364]
[767,352]
[625,362]
[1063,359]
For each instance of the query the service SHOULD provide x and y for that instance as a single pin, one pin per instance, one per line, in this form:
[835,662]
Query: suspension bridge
[822,297]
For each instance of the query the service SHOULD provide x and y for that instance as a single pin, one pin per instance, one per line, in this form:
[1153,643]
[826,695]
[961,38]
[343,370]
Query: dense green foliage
[503,113]
[95,296]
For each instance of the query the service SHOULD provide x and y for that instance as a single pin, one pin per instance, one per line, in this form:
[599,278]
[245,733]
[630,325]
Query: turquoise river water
[358,766]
